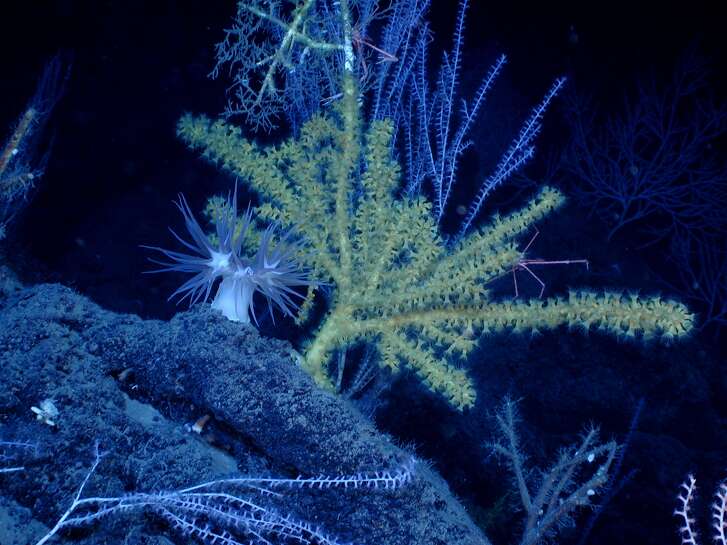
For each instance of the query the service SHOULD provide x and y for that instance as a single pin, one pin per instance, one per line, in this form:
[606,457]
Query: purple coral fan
[273,271]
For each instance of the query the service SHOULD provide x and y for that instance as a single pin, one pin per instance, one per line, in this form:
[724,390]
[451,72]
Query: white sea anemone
[272,271]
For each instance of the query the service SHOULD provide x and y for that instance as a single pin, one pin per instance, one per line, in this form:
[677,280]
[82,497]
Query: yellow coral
[397,285]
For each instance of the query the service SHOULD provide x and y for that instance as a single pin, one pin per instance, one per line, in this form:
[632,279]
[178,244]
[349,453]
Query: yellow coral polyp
[395,282]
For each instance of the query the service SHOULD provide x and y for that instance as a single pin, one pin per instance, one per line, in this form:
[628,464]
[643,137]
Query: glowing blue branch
[519,152]
[459,144]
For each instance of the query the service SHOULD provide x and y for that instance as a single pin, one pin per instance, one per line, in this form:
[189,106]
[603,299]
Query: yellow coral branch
[397,285]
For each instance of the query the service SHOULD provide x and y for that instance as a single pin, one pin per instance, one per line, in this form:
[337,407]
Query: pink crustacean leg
[524,264]
[358,43]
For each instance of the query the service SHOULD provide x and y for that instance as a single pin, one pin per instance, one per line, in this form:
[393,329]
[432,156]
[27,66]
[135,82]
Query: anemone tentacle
[273,271]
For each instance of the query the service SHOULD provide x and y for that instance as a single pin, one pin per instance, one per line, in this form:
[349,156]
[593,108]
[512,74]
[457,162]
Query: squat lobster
[359,42]
[524,264]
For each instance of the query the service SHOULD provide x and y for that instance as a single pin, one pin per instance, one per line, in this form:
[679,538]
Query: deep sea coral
[397,285]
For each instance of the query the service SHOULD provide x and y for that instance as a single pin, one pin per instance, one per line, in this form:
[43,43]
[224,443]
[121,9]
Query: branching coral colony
[396,282]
